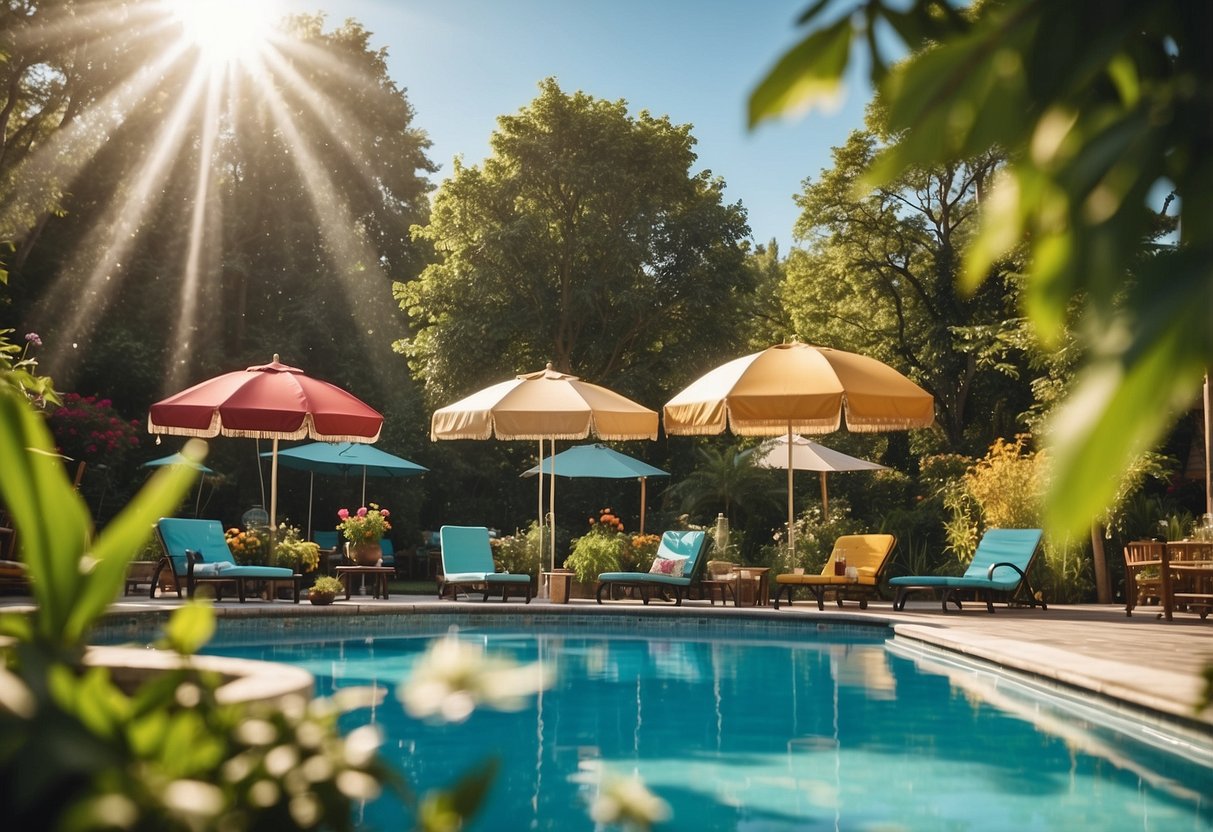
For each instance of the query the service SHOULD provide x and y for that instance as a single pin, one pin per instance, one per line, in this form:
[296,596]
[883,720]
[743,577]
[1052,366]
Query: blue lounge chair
[196,552]
[467,561]
[674,545]
[999,570]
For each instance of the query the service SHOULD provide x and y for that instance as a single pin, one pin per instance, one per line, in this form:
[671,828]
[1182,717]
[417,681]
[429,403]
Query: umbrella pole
[642,480]
[274,489]
[311,484]
[552,503]
[825,499]
[363,486]
[198,499]
[540,515]
[791,510]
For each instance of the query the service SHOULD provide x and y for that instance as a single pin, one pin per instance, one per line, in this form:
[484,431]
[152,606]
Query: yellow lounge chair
[867,554]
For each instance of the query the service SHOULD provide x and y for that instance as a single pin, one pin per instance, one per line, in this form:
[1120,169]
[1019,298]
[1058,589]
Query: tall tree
[877,275]
[585,240]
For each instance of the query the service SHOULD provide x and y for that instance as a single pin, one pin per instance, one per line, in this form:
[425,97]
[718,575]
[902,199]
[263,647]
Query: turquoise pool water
[830,729]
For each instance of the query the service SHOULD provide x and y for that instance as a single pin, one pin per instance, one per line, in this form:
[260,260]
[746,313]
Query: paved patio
[1141,661]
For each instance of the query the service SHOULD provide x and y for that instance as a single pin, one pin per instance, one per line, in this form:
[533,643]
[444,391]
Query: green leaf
[449,810]
[811,72]
[190,627]
[47,512]
[123,538]
[1122,404]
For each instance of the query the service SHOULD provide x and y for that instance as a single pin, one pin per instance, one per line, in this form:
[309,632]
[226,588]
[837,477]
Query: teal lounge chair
[999,570]
[196,552]
[467,561]
[674,545]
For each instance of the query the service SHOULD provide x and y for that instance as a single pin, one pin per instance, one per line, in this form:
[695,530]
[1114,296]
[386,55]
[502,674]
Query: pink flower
[384,512]
[343,513]
[362,512]
[33,338]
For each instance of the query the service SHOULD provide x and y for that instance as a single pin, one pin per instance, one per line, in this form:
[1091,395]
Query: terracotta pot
[366,554]
[321,599]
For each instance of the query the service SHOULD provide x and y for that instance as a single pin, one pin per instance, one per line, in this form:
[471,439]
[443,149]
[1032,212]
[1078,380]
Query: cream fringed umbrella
[797,388]
[545,405]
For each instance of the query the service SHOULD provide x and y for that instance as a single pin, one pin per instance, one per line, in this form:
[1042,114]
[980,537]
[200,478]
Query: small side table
[378,575]
[558,584]
[762,589]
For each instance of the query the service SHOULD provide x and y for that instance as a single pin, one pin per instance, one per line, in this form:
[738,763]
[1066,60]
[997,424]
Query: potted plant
[598,550]
[293,552]
[324,590]
[364,529]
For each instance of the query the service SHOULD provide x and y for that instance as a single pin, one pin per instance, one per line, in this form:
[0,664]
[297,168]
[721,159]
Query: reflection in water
[829,733]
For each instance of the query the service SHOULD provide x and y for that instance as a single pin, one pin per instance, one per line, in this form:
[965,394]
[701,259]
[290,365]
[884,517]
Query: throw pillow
[670,567]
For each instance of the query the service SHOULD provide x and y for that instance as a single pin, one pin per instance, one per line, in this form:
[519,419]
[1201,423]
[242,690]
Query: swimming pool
[805,728]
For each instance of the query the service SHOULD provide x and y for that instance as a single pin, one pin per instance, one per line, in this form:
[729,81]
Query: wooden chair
[1143,573]
[1188,565]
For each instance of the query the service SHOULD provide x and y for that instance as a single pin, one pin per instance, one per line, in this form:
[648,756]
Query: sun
[225,31]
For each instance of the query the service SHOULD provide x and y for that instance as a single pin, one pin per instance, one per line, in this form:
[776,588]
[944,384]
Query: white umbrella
[544,405]
[810,456]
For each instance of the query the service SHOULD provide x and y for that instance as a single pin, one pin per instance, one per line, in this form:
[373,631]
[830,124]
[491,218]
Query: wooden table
[378,574]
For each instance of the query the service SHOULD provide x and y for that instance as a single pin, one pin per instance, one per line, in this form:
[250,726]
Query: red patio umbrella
[267,401]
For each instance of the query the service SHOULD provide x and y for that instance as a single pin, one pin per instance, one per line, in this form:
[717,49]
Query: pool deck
[1140,662]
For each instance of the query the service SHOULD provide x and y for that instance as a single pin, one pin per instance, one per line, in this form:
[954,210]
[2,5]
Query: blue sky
[465,62]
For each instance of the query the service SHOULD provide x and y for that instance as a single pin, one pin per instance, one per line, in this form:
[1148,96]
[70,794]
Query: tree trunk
[1103,584]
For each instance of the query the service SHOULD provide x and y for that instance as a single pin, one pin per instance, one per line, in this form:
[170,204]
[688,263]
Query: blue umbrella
[599,461]
[178,459]
[343,458]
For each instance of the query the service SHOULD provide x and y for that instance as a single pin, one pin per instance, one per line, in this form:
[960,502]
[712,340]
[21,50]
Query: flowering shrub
[87,428]
[250,547]
[293,552]
[607,523]
[639,553]
[366,525]
[601,549]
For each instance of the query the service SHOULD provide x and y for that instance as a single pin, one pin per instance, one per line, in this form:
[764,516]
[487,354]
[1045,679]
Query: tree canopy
[585,240]
[878,275]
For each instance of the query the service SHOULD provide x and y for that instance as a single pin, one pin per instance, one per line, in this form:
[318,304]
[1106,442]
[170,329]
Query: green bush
[519,553]
[596,552]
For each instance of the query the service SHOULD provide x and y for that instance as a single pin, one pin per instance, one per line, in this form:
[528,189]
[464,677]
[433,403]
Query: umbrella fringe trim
[305,432]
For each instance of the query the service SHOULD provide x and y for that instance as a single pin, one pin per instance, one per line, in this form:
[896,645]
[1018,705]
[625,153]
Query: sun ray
[354,263]
[56,164]
[134,208]
[185,328]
